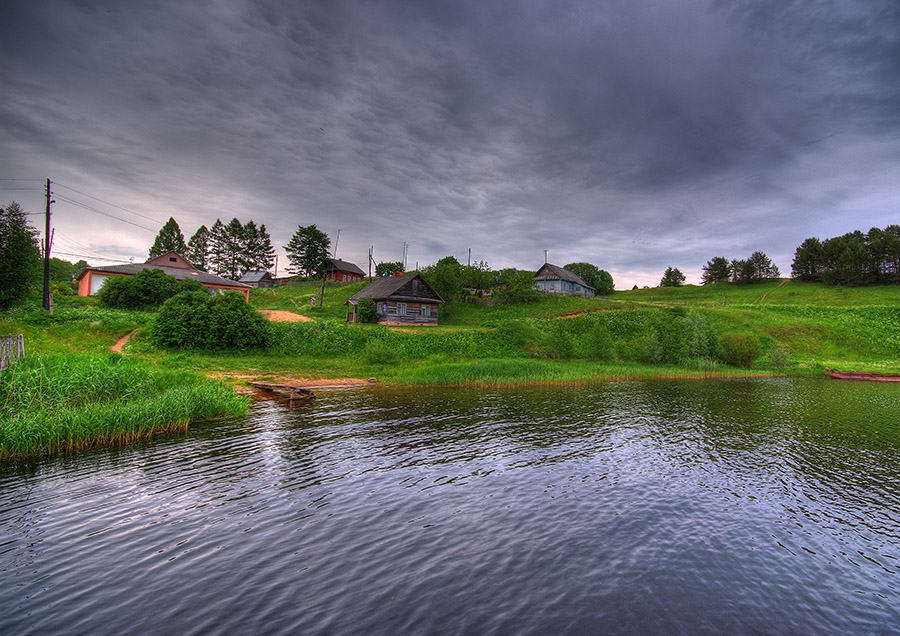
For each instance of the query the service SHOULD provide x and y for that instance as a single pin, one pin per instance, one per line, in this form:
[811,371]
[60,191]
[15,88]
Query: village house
[404,299]
[257,278]
[552,279]
[172,263]
[343,272]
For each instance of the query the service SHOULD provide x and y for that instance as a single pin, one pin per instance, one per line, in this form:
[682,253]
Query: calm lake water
[668,507]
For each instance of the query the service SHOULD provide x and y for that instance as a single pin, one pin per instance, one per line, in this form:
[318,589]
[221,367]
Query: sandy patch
[283,316]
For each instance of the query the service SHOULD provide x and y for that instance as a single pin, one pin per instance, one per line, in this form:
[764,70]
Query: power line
[35,180]
[98,211]
[113,205]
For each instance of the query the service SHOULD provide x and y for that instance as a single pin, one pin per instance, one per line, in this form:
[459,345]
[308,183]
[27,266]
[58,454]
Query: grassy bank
[64,402]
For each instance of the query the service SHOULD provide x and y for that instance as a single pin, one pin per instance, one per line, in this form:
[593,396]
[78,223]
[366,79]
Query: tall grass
[66,402]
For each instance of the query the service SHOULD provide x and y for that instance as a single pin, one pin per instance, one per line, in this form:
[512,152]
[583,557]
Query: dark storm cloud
[634,135]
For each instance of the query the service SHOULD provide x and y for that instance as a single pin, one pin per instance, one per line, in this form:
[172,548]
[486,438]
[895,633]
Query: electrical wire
[112,205]
[98,211]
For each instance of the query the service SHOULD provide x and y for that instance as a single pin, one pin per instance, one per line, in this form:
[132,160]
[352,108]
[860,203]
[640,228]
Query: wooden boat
[291,392]
[865,377]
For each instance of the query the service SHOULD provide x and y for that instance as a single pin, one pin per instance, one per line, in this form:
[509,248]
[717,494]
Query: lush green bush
[147,288]
[196,320]
[366,311]
[739,350]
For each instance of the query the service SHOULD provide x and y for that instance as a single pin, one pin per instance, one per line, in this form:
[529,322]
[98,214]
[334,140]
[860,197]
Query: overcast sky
[632,134]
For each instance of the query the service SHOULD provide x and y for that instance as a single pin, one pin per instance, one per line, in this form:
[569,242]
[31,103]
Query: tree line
[852,259]
[232,249]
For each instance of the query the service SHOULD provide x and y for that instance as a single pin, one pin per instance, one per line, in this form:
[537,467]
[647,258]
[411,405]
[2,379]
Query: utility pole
[469,264]
[371,258]
[336,241]
[47,243]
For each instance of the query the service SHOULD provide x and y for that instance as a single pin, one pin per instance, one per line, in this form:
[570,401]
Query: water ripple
[764,506]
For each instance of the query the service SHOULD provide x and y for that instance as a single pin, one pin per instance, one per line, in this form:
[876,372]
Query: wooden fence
[12,348]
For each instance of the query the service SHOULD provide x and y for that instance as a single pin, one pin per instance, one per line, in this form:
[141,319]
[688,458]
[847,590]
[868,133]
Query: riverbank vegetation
[64,402]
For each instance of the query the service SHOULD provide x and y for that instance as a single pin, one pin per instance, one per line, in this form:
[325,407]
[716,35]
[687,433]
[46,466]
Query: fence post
[12,349]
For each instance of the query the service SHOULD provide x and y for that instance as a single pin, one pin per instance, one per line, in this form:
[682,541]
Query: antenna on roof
[545,256]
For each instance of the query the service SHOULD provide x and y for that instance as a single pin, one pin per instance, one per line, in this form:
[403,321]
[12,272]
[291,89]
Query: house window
[401,309]
[172,259]
[426,310]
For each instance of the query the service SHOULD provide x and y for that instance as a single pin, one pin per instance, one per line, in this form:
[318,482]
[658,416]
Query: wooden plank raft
[293,392]
[866,377]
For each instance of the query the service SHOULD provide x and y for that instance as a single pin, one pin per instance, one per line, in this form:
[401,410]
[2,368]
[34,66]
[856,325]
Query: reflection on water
[734,506]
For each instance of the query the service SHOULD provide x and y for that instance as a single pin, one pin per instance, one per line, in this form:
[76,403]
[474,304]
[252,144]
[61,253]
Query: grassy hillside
[800,328]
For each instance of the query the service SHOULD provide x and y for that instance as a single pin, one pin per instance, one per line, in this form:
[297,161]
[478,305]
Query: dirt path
[784,281]
[121,341]
[283,316]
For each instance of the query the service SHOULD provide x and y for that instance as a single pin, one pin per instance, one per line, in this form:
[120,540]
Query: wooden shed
[406,299]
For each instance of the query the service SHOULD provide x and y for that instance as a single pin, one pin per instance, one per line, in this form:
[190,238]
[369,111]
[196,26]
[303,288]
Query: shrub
[366,311]
[196,320]
[739,350]
[148,288]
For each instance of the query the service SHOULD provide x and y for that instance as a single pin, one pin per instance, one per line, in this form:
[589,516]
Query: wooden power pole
[47,242]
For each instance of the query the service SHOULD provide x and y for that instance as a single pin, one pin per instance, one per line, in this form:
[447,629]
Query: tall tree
[307,251]
[198,248]
[808,260]
[763,267]
[79,267]
[388,268]
[20,256]
[227,248]
[599,279]
[672,277]
[169,239]
[445,278]
[259,255]
[715,271]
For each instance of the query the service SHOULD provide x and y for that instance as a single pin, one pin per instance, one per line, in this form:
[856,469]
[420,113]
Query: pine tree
[307,251]
[672,277]
[198,248]
[258,253]
[716,270]
[20,255]
[169,239]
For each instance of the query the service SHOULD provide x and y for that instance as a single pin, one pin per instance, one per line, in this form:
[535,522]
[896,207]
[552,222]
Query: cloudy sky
[632,134]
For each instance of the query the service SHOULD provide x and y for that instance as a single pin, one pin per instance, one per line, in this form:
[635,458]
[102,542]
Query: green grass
[78,325]
[801,328]
[65,402]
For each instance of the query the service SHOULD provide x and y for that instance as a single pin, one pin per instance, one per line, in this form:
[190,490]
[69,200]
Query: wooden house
[552,279]
[257,278]
[172,263]
[343,272]
[406,299]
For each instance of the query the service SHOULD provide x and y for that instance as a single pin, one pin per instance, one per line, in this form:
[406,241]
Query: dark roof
[255,276]
[388,287]
[344,266]
[179,273]
[554,272]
